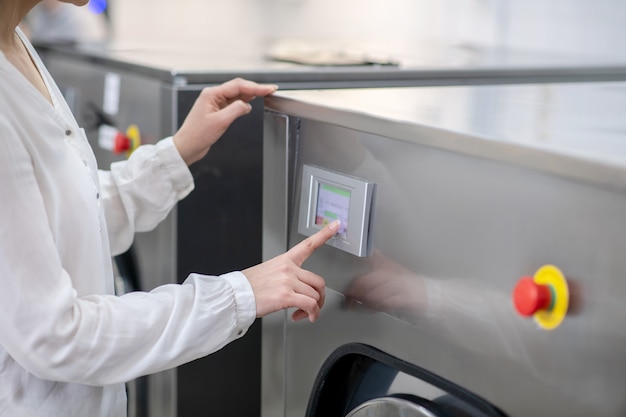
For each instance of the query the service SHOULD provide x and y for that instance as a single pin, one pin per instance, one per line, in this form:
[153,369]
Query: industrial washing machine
[123,93]
[479,270]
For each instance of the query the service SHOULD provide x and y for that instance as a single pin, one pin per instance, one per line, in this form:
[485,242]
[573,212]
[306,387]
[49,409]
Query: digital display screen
[333,203]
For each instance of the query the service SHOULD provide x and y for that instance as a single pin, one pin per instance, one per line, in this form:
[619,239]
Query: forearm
[100,340]
[137,194]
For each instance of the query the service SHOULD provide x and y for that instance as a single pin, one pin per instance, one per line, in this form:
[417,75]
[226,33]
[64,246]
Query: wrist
[188,154]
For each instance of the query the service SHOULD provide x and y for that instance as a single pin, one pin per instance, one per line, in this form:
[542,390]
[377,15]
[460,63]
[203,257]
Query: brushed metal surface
[567,129]
[275,223]
[423,63]
[455,227]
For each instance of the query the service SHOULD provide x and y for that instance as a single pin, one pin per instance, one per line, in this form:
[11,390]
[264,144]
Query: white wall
[570,26]
[595,27]
[176,21]
[210,20]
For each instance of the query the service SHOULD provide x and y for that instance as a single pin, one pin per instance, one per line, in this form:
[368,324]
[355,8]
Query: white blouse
[67,344]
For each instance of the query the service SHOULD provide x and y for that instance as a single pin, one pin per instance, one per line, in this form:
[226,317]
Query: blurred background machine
[125,95]
[479,271]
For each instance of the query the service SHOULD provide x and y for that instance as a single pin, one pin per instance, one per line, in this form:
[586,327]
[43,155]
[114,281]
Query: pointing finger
[299,253]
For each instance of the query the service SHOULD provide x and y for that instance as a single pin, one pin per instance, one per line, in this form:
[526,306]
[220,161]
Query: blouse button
[68,132]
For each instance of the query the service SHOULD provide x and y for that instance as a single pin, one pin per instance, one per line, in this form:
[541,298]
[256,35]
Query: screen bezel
[361,191]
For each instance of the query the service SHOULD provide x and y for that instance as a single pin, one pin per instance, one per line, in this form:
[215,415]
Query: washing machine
[479,268]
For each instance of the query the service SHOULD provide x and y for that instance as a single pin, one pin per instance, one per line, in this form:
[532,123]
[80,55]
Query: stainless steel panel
[548,127]
[275,222]
[460,217]
[426,63]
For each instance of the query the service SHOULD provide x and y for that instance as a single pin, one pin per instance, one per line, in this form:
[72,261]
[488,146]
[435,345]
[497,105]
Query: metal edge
[606,174]
[275,232]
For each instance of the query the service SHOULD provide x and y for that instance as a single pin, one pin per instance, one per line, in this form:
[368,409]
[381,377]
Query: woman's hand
[281,282]
[213,112]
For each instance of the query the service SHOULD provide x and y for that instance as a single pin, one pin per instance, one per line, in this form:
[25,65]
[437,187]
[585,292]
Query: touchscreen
[333,203]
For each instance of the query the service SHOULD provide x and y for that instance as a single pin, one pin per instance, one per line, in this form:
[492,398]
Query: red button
[121,144]
[530,297]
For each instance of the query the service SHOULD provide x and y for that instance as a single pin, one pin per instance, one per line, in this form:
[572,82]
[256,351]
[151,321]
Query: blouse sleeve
[138,193]
[57,335]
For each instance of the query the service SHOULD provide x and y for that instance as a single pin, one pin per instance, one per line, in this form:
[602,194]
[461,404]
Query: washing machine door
[394,407]
[358,380]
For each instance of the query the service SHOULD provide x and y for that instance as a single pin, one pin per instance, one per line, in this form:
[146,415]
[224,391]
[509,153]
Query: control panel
[328,196]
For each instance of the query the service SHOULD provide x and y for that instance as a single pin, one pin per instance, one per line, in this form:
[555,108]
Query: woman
[67,344]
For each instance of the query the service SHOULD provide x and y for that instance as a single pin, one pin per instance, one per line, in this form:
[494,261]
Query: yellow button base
[552,276]
[134,135]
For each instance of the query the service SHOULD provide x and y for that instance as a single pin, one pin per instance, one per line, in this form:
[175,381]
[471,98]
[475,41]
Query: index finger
[240,87]
[299,253]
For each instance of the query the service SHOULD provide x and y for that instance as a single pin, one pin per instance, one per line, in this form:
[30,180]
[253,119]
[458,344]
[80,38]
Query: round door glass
[391,407]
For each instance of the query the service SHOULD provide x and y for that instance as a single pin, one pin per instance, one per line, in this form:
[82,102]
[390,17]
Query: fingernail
[334,226]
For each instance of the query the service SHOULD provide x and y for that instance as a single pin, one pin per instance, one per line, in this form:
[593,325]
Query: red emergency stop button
[530,297]
[121,143]
[545,297]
